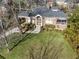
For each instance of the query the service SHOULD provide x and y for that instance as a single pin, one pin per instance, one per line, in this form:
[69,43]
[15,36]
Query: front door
[39,21]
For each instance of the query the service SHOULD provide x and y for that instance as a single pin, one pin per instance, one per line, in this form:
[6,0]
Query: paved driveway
[14,30]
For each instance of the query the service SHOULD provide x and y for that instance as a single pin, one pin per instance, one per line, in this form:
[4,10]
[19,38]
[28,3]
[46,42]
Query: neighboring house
[61,2]
[66,3]
[3,10]
[42,16]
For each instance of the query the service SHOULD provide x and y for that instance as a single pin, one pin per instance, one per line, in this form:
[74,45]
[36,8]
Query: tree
[72,31]
[3,25]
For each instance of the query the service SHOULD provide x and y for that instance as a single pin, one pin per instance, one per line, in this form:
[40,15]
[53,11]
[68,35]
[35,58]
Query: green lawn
[36,40]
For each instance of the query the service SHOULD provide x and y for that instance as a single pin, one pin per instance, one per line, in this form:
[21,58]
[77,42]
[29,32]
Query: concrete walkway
[37,29]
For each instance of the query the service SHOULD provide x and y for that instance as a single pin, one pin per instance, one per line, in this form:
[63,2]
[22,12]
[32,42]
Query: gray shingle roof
[53,12]
[23,13]
[39,10]
[44,11]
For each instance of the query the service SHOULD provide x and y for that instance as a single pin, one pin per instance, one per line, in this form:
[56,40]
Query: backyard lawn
[57,47]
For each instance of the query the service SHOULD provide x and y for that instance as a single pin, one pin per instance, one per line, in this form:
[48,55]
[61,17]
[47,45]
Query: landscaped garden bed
[48,27]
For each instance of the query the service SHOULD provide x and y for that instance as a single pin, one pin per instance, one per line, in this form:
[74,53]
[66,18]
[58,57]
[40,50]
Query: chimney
[49,3]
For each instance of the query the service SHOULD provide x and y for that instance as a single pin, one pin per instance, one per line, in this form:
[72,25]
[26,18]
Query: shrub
[48,27]
[31,26]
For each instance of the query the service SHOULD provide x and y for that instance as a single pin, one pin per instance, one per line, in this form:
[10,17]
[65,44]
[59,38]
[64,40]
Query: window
[58,21]
[38,20]
[61,21]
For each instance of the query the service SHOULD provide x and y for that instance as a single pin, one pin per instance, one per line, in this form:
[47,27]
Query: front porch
[39,20]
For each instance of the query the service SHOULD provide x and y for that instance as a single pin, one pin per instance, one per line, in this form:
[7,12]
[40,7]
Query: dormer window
[55,10]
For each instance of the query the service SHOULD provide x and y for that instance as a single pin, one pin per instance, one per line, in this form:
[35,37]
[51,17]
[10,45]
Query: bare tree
[3,26]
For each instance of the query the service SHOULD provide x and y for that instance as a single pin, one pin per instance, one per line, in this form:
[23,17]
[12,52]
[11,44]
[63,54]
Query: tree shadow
[2,57]
[24,38]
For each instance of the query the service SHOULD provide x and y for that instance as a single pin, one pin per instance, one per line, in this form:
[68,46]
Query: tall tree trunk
[4,32]
[19,6]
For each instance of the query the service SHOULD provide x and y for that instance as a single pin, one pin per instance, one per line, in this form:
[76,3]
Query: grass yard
[54,39]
